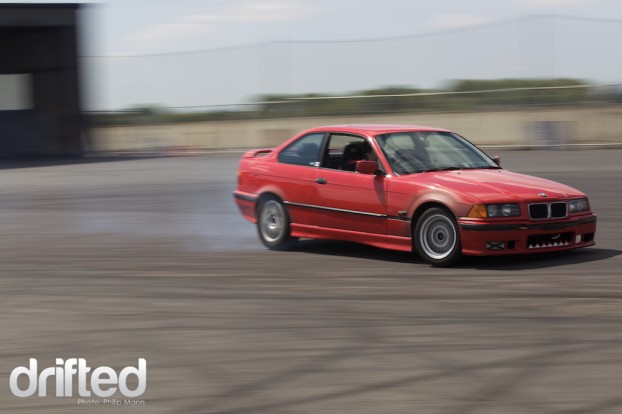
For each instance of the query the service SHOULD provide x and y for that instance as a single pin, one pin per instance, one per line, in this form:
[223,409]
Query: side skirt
[377,240]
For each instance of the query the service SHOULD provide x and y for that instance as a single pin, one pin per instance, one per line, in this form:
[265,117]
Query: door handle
[321,180]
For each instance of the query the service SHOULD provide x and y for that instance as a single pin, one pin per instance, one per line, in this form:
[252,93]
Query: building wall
[38,45]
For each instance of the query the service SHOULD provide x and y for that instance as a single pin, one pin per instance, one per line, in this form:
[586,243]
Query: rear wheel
[436,237]
[273,225]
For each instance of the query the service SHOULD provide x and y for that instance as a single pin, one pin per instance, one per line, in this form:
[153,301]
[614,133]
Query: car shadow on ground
[354,250]
[538,260]
[509,262]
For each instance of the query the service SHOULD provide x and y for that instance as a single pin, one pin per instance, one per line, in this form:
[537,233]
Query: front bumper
[499,238]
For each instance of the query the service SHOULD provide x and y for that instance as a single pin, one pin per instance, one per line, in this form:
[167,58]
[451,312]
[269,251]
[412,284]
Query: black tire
[273,225]
[436,237]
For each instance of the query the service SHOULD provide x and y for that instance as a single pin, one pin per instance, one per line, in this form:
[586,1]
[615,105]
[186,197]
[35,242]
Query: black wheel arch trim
[245,197]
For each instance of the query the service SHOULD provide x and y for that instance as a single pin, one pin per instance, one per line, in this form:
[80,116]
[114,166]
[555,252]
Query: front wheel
[436,237]
[273,225]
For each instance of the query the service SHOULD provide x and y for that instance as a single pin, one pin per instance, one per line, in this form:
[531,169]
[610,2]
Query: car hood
[491,186]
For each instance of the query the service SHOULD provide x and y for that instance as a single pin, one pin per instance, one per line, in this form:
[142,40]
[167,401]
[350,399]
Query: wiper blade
[452,168]
[484,167]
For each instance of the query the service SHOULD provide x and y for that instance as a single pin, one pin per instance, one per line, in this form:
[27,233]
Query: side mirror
[497,160]
[366,167]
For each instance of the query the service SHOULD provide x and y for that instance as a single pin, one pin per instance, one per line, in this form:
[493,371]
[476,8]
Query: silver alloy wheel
[272,221]
[437,237]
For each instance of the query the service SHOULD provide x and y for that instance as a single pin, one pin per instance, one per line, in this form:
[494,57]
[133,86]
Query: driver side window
[343,151]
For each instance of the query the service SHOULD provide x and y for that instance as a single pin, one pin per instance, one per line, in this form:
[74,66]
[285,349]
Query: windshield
[425,151]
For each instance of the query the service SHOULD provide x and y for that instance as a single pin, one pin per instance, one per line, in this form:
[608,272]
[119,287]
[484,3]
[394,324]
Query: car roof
[374,129]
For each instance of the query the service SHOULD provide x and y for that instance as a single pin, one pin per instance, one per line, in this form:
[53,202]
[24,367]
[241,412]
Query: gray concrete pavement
[113,261]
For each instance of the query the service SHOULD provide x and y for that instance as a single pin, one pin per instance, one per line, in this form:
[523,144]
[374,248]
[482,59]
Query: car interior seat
[352,153]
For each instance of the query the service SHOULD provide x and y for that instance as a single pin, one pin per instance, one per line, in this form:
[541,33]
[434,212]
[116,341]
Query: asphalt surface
[112,261]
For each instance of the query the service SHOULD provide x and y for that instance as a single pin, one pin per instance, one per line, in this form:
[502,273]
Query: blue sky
[452,40]
[153,26]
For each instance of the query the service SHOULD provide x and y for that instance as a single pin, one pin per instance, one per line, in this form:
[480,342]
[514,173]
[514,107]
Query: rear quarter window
[303,151]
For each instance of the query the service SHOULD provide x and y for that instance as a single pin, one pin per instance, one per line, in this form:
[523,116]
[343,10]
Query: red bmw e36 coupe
[408,188]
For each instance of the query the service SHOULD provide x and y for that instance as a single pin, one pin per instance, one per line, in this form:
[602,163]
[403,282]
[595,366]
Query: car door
[294,176]
[347,200]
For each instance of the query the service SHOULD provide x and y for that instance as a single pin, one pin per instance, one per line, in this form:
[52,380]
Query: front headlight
[503,210]
[577,205]
[494,210]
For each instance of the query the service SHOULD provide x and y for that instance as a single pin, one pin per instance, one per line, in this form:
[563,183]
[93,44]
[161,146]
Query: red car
[406,188]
